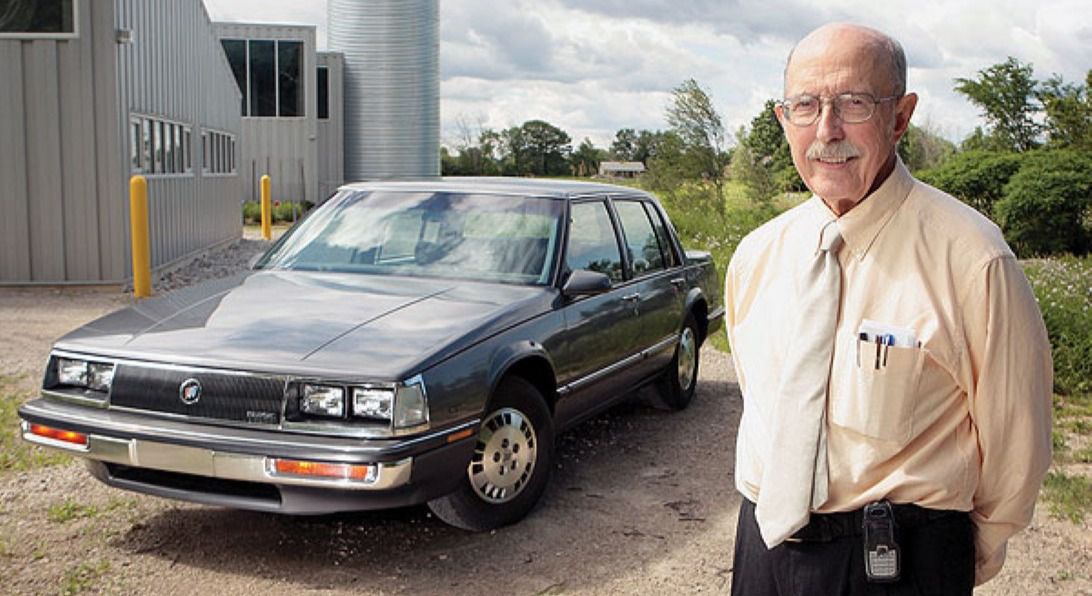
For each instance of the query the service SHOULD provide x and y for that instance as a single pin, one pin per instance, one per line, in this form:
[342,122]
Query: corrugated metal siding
[392,85]
[175,70]
[331,132]
[59,126]
[284,148]
[64,164]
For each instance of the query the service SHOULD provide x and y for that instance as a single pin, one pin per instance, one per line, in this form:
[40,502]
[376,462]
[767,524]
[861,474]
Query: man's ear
[904,109]
[779,112]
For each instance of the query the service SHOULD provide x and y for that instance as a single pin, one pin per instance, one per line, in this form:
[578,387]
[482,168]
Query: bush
[1046,204]
[283,211]
[976,177]
[1063,287]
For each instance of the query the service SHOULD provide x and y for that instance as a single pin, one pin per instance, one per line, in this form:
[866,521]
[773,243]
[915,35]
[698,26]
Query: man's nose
[829,125]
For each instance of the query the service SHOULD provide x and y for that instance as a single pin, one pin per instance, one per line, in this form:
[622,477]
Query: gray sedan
[407,342]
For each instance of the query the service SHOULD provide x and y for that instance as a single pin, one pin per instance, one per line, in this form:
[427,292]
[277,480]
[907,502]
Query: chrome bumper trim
[140,453]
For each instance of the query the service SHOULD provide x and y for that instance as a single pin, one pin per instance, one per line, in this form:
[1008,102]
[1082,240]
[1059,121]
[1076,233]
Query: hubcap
[504,457]
[688,358]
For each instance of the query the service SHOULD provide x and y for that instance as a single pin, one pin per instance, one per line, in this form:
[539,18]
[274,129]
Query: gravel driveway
[641,502]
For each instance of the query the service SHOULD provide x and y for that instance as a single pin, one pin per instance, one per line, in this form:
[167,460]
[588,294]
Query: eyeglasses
[804,110]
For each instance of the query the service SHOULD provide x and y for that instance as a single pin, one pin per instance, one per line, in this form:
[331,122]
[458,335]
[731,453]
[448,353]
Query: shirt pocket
[881,393]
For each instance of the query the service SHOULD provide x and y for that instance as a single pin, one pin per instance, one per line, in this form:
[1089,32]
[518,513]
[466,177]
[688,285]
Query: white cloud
[594,66]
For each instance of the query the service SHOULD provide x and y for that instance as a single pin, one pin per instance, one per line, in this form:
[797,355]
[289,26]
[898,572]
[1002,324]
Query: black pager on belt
[881,552]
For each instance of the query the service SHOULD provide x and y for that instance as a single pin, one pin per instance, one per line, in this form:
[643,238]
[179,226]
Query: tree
[699,127]
[762,160]
[585,160]
[748,168]
[624,147]
[1046,204]
[1005,92]
[922,148]
[536,148]
[1068,112]
[976,177]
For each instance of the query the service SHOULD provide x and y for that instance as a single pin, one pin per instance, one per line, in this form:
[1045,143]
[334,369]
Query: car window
[670,259]
[592,244]
[509,239]
[642,246]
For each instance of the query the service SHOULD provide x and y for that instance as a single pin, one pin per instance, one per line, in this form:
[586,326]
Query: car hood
[312,323]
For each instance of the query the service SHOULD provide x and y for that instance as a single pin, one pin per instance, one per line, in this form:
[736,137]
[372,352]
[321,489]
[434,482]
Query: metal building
[95,91]
[331,122]
[392,85]
[276,69]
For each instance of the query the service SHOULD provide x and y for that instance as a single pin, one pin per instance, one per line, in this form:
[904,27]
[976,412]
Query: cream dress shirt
[960,421]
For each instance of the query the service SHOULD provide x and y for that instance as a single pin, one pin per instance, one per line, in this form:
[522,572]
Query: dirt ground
[641,502]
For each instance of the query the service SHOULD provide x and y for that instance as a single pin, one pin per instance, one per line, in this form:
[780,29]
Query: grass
[16,454]
[1069,497]
[1063,288]
[83,577]
[67,511]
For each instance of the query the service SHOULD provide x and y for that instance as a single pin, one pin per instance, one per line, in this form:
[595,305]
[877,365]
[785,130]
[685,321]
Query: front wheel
[680,378]
[511,463]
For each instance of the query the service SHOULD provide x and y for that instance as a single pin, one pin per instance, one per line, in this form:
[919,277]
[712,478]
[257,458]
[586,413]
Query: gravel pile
[221,262]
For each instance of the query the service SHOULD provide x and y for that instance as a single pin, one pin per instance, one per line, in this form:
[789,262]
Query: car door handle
[678,282]
[629,297]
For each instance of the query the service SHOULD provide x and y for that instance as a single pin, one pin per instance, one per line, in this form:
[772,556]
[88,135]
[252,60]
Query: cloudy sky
[593,67]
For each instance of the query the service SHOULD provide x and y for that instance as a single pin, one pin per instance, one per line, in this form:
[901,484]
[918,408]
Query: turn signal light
[56,434]
[317,469]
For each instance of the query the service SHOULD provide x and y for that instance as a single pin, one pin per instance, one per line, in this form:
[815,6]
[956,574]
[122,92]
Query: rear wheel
[680,378]
[511,463]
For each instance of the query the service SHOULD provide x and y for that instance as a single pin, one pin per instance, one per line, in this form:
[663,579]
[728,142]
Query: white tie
[794,479]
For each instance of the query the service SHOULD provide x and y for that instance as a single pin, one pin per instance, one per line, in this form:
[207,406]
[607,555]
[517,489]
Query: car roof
[548,187]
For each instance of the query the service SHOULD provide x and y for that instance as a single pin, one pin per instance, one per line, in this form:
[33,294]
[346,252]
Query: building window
[38,18]
[218,152]
[269,74]
[290,78]
[323,102]
[235,50]
[158,146]
[263,78]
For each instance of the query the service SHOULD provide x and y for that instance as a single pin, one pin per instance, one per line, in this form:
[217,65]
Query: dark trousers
[937,558]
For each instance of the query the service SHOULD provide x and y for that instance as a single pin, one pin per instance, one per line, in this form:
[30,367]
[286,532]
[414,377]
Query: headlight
[411,403]
[96,376]
[322,400]
[400,405]
[373,402]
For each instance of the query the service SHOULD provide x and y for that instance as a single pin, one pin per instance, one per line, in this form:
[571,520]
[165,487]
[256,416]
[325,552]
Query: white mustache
[838,151]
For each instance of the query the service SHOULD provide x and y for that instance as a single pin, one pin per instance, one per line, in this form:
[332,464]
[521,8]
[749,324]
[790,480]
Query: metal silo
[392,86]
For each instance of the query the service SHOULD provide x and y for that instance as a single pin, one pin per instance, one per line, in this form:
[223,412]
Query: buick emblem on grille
[189,391]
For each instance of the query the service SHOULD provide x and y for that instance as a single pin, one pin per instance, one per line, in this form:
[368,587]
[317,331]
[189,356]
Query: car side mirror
[585,283]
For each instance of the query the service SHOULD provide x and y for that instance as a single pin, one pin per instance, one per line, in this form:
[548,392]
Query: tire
[511,464]
[680,379]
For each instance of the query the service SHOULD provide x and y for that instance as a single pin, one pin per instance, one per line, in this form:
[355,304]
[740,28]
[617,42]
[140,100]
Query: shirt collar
[862,224]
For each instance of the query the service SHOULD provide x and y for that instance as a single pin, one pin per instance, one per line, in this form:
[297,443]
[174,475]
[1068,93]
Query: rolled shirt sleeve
[1010,374]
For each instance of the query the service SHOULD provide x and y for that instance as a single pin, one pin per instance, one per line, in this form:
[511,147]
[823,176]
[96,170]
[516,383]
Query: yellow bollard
[267,208]
[138,225]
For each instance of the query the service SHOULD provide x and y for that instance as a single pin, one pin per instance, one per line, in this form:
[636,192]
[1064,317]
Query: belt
[825,527]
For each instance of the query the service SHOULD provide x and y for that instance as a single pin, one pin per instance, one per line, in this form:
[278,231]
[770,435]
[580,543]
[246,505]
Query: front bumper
[233,467]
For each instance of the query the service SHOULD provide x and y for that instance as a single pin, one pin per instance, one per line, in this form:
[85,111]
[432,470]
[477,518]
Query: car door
[600,337]
[656,284]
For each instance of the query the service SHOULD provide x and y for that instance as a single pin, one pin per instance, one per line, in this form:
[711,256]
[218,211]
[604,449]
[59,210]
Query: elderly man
[894,366]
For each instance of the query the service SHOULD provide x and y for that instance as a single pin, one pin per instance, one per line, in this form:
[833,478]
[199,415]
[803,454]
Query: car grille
[223,396]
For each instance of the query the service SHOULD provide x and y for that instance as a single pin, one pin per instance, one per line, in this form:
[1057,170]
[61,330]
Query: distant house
[94,92]
[621,169]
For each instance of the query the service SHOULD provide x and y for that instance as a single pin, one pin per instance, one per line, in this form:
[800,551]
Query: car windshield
[508,239]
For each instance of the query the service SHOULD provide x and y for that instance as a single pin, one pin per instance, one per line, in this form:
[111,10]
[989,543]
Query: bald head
[881,50]
[842,157]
